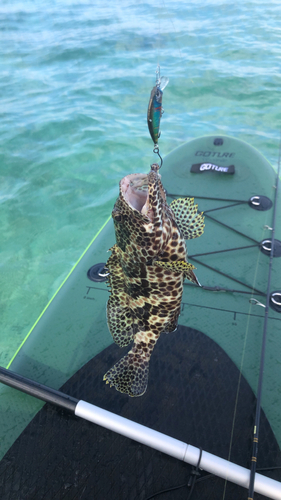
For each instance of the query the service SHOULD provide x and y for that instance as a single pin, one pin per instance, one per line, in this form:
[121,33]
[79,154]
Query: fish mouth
[134,188]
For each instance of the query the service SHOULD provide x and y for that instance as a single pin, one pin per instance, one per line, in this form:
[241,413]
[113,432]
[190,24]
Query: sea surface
[75,80]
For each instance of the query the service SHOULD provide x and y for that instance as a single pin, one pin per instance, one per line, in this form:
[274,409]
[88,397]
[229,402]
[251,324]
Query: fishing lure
[155,109]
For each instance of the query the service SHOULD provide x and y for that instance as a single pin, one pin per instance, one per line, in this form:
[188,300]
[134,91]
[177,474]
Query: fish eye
[117,217]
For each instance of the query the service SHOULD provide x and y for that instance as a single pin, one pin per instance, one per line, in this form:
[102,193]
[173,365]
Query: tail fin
[129,375]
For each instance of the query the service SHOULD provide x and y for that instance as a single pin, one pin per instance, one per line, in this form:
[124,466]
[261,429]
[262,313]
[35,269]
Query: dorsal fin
[189,221]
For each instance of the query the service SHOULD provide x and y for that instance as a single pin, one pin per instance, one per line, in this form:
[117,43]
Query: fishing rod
[264,338]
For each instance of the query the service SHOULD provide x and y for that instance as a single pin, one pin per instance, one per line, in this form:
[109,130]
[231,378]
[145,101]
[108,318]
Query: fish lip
[134,190]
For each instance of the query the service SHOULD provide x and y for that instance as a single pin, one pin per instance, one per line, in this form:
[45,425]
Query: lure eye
[158,95]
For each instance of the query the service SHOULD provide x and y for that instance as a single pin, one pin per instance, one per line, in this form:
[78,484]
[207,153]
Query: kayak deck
[61,456]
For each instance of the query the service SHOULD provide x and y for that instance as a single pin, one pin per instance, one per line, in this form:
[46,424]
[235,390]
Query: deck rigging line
[264,338]
[254,290]
[232,228]
[256,243]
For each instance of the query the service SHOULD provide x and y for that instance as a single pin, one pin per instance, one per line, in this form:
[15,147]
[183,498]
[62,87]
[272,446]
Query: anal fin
[120,322]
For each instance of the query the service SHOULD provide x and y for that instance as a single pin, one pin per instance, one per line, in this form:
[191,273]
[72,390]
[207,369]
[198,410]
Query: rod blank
[37,390]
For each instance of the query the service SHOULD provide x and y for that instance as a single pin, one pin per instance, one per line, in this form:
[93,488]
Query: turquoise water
[74,84]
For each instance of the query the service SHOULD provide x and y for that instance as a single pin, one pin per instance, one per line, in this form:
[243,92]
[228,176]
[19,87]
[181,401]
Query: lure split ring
[156,151]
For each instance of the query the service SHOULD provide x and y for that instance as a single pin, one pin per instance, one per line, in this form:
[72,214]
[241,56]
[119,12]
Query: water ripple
[74,83]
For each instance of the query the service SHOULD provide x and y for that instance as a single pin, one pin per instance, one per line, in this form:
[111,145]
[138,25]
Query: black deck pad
[191,396]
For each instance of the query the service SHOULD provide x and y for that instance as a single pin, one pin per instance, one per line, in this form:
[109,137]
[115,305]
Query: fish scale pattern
[147,268]
[61,457]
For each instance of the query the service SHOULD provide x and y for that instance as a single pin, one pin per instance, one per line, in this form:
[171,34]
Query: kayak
[211,381]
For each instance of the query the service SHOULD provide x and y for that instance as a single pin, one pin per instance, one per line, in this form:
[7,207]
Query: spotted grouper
[147,268]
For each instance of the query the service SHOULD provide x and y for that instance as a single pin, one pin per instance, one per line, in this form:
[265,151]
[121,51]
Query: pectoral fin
[180,266]
[189,221]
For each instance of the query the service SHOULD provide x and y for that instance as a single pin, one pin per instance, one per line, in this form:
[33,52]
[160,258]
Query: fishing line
[264,338]
[249,314]
[158,34]
[238,392]
[175,31]
[258,407]
[155,109]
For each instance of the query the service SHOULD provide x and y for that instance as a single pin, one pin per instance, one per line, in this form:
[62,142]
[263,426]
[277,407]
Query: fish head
[138,211]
